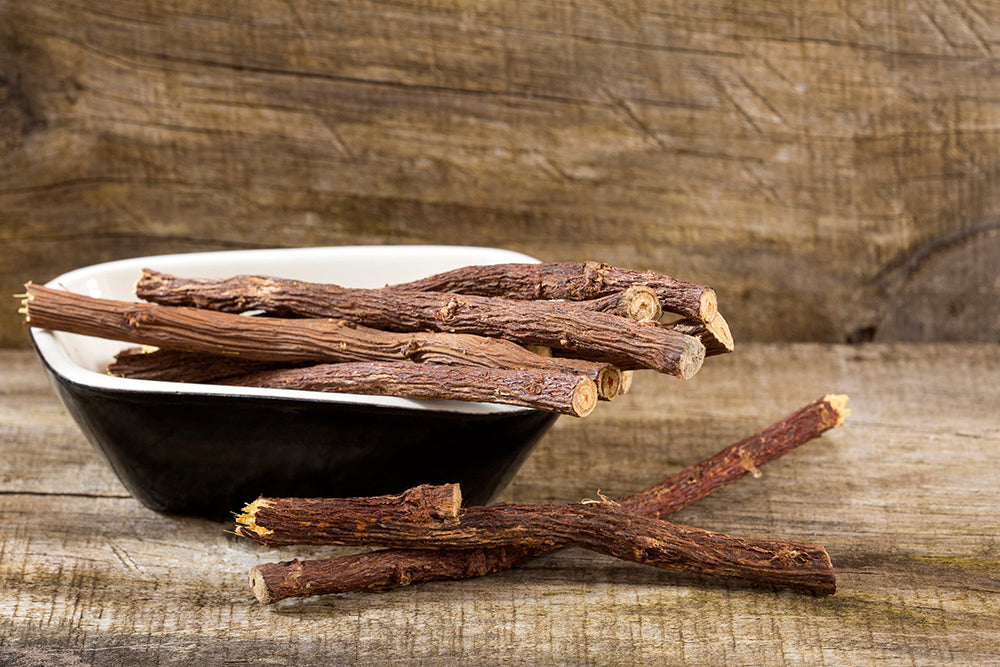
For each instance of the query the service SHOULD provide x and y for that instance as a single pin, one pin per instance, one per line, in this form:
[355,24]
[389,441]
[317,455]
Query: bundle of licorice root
[551,336]
[429,536]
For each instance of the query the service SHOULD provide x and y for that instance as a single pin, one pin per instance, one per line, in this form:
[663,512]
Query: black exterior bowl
[209,455]
[205,450]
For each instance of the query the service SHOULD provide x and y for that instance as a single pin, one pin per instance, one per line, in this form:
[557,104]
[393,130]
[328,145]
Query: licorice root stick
[179,366]
[169,365]
[560,393]
[573,281]
[639,303]
[293,341]
[577,332]
[601,527]
[391,568]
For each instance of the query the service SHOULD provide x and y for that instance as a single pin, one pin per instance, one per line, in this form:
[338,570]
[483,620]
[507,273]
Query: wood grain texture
[905,496]
[828,167]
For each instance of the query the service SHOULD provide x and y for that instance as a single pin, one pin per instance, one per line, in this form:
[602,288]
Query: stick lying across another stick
[185,366]
[580,333]
[391,568]
[601,527]
[420,507]
[560,393]
[290,341]
[638,302]
[573,281]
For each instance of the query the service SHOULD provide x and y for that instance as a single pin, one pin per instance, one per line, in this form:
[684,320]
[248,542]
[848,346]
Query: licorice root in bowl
[204,449]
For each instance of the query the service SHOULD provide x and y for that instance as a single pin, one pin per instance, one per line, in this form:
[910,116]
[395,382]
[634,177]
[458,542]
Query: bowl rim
[50,347]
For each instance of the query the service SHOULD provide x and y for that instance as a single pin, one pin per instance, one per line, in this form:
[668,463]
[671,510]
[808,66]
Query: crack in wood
[902,271]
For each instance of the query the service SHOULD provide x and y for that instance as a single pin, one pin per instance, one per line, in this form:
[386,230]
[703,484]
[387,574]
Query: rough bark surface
[600,527]
[577,332]
[184,366]
[574,281]
[389,568]
[561,393]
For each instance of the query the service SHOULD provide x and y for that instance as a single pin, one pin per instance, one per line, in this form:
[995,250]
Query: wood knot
[535,385]
[787,555]
[19,114]
[748,463]
[446,311]
[294,573]
[139,315]
[593,278]
[400,576]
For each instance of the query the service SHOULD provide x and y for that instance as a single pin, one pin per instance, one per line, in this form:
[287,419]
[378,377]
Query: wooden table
[904,496]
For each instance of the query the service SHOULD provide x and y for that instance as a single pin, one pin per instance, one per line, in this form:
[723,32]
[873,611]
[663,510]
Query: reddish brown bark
[580,333]
[181,366]
[573,281]
[601,527]
[638,302]
[274,340]
[184,366]
[389,568]
[561,393]
[427,505]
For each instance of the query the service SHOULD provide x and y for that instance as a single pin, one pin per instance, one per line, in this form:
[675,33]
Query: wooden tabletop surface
[905,497]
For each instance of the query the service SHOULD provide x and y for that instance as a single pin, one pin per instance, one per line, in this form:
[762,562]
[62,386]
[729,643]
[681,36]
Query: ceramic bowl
[205,450]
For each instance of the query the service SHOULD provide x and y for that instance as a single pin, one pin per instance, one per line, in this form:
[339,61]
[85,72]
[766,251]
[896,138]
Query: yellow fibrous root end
[247,520]
[25,298]
[838,402]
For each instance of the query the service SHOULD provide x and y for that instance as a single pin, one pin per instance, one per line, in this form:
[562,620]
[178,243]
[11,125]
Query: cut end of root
[439,501]
[246,523]
[259,587]
[718,327]
[828,586]
[708,305]
[691,359]
[584,397]
[838,403]
[640,303]
[453,507]
[627,378]
[609,383]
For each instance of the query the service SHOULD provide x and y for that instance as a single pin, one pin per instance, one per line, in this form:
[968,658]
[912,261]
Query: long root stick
[390,568]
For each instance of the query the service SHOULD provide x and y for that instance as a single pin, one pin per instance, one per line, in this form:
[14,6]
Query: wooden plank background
[904,496]
[829,166]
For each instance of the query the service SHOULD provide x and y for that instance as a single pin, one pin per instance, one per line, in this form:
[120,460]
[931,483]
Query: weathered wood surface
[830,167]
[905,496]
